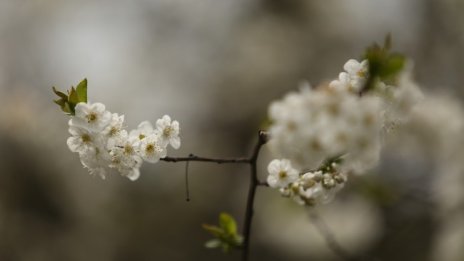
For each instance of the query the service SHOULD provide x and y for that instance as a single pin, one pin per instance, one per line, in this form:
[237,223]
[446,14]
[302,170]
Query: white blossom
[401,98]
[316,124]
[93,117]
[281,173]
[169,131]
[144,129]
[152,148]
[103,144]
[354,78]
[125,156]
[81,140]
[115,126]
[95,160]
[343,83]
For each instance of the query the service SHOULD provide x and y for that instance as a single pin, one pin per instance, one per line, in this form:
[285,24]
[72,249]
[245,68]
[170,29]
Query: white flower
[131,173]
[353,79]
[334,121]
[92,117]
[281,173]
[152,148]
[314,125]
[81,140]
[313,194]
[358,72]
[144,129]
[125,157]
[319,187]
[169,131]
[343,83]
[95,160]
[356,69]
[115,126]
[402,98]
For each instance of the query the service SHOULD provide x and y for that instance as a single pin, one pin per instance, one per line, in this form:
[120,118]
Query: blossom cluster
[306,188]
[102,142]
[335,120]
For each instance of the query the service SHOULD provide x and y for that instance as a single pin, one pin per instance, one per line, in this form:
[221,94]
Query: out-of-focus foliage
[226,235]
[384,65]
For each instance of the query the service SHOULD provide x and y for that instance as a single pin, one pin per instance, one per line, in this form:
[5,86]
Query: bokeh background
[215,65]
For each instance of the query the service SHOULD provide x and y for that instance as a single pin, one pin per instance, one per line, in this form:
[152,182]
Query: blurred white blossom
[341,120]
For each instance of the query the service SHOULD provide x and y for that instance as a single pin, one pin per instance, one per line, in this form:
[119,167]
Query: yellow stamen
[167,131]
[91,117]
[86,138]
[150,149]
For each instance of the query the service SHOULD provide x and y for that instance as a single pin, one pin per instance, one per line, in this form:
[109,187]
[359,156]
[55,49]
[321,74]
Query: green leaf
[213,243]
[68,101]
[225,234]
[214,230]
[392,66]
[67,108]
[73,98]
[60,102]
[60,94]
[81,90]
[227,223]
[383,64]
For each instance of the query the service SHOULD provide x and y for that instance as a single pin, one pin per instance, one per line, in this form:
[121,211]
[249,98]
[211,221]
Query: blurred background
[215,65]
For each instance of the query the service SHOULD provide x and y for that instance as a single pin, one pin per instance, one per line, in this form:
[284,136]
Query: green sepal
[81,90]
[265,124]
[60,94]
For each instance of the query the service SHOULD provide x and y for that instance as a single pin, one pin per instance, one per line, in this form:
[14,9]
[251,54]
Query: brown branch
[254,183]
[203,159]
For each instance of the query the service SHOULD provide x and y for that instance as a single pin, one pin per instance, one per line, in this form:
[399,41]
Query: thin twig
[254,183]
[187,189]
[203,159]
[330,239]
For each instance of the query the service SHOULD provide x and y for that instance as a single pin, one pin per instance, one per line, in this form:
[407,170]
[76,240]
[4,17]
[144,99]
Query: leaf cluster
[226,236]
[384,65]
[68,101]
